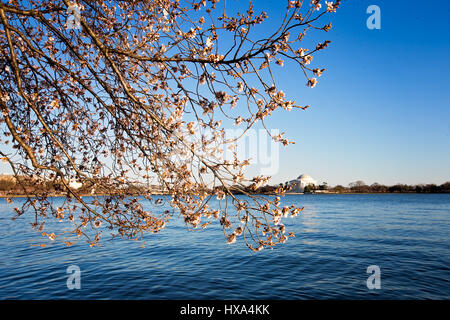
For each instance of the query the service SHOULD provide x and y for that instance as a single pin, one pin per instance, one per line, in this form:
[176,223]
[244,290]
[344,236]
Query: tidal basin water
[337,238]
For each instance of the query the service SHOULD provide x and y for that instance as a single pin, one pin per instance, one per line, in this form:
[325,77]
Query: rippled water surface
[337,238]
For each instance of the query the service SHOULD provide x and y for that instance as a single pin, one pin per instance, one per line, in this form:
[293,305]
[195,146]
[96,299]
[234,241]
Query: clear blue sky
[381,111]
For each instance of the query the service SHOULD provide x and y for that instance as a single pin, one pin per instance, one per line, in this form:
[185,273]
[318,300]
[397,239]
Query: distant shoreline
[269,194]
[15,187]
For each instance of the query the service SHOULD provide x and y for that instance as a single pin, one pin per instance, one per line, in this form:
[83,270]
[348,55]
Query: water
[337,238]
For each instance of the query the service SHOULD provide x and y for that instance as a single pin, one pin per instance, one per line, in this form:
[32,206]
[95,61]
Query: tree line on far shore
[361,187]
[356,187]
[23,185]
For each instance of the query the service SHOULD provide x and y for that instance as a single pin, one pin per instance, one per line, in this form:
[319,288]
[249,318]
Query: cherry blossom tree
[96,95]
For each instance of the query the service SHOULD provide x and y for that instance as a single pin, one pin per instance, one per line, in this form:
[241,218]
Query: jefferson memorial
[299,184]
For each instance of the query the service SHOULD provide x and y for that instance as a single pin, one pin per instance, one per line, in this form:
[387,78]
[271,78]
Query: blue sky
[381,111]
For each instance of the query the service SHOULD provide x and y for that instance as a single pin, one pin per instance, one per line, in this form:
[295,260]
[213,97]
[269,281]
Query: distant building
[299,184]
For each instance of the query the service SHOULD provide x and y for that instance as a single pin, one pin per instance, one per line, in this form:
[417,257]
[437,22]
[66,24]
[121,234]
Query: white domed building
[299,184]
